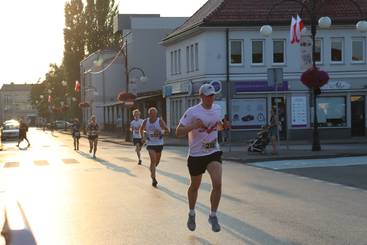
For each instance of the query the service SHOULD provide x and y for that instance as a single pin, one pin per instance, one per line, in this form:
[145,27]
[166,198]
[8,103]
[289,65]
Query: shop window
[331,111]
[249,113]
[236,52]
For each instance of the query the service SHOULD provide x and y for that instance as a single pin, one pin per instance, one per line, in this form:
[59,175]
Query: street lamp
[312,7]
[128,97]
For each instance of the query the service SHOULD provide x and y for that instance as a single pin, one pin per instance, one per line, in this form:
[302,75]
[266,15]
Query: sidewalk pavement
[237,152]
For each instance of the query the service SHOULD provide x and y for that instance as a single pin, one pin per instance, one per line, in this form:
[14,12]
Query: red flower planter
[83,104]
[126,97]
[314,78]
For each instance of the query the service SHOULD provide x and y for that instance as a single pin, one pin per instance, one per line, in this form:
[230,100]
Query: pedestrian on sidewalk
[135,129]
[155,128]
[76,133]
[273,130]
[201,123]
[23,129]
[92,131]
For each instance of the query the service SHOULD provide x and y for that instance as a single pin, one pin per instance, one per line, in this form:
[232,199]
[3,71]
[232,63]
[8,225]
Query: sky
[32,32]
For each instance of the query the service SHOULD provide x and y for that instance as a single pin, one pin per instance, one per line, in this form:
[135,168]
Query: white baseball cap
[207,89]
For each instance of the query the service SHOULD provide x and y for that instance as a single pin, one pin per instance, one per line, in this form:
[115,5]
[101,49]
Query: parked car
[60,124]
[10,130]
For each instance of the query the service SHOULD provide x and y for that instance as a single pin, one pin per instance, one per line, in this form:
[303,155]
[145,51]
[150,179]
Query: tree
[99,15]
[74,47]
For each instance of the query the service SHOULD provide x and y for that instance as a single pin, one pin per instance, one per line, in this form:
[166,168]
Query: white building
[15,101]
[222,42]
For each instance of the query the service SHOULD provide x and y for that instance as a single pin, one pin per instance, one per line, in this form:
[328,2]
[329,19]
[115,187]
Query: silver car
[10,130]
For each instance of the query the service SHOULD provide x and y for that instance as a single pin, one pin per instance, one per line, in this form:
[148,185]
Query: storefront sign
[166,91]
[299,111]
[336,85]
[248,113]
[217,85]
[258,86]
[184,87]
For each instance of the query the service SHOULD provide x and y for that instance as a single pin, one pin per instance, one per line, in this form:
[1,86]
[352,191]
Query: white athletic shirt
[154,132]
[203,142]
[135,125]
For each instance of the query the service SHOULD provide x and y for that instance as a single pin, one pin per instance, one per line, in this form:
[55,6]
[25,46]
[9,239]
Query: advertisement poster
[248,113]
[306,52]
[299,111]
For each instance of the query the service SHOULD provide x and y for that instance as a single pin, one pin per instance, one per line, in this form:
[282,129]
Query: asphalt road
[69,198]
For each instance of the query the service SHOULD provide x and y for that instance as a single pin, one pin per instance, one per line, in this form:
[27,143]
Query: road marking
[70,161]
[11,164]
[41,162]
[309,163]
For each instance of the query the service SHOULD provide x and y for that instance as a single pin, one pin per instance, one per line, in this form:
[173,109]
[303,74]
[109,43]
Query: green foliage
[99,15]
[88,28]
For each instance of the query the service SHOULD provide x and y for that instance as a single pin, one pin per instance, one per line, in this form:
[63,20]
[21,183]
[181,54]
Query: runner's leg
[192,192]
[215,171]
[152,155]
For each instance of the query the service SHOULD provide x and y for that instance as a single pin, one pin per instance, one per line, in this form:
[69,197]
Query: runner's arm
[142,128]
[182,131]
[164,126]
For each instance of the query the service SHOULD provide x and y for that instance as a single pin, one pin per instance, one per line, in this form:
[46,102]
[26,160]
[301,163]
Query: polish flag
[300,25]
[293,32]
[49,99]
[77,86]
[297,25]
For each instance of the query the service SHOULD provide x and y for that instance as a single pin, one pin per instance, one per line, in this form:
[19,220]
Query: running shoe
[191,225]
[139,163]
[213,220]
[154,183]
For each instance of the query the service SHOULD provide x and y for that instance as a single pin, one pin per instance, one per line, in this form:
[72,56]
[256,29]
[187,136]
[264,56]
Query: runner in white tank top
[155,128]
[201,123]
[135,129]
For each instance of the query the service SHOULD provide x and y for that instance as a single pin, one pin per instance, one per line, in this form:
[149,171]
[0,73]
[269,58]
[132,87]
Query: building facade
[101,81]
[15,101]
[143,33]
[221,43]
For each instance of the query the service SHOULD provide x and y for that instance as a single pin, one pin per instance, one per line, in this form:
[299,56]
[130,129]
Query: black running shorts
[156,148]
[137,141]
[197,165]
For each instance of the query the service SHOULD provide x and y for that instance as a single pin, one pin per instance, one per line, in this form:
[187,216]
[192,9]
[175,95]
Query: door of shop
[282,113]
[358,115]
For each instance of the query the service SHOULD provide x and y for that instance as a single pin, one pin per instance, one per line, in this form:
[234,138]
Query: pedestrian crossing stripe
[41,162]
[11,164]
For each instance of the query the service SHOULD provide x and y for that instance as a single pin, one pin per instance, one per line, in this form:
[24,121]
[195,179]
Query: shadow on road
[198,240]
[109,165]
[271,190]
[204,186]
[248,234]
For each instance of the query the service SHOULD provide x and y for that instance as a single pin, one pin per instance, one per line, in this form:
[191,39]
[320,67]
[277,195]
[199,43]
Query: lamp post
[312,8]
[129,97]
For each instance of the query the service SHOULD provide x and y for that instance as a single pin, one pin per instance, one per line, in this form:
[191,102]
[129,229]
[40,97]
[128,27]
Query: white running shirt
[154,132]
[135,125]
[203,141]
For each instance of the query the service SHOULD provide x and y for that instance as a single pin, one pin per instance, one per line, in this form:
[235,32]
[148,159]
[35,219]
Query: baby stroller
[260,142]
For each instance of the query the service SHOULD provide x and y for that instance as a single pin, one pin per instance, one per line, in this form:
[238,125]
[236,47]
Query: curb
[254,160]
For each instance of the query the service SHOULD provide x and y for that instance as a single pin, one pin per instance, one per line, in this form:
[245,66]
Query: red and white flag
[297,26]
[300,26]
[49,99]
[77,86]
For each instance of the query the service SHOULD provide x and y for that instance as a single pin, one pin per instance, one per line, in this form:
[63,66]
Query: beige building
[15,103]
